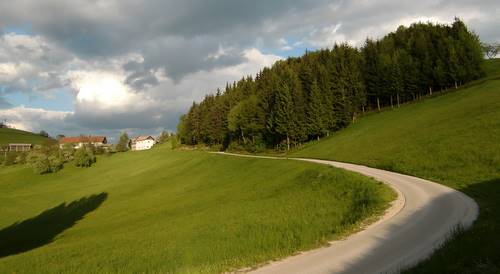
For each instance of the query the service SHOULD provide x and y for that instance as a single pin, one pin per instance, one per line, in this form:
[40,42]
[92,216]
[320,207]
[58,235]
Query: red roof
[83,139]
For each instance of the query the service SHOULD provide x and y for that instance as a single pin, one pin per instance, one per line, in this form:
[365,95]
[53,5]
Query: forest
[309,97]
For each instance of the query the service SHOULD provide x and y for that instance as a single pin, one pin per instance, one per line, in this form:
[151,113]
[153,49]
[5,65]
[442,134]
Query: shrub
[49,148]
[42,163]
[55,163]
[21,158]
[39,162]
[84,157]
[174,142]
[164,137]
[43,133]
[123,145]
[9,159]
[67,153]
[99,150]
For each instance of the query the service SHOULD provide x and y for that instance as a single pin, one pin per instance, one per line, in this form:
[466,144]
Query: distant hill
[10,135]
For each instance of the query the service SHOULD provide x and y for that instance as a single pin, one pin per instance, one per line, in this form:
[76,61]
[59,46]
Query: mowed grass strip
[164,211]
[453,139]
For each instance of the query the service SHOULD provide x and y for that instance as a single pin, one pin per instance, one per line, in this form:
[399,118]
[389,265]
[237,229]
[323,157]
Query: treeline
[305,98]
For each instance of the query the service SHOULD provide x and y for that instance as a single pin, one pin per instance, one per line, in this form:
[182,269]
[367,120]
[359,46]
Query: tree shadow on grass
[42,229]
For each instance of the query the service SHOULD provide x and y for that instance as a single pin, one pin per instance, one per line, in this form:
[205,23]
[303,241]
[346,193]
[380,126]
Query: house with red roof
[78,142]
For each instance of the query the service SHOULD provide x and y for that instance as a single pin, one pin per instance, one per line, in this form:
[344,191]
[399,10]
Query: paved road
[418,221]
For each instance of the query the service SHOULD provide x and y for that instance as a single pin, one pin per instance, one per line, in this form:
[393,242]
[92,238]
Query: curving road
[417,222]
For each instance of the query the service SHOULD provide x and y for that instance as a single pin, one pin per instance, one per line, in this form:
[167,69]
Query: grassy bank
[10,135]
[453,139]
[163,211]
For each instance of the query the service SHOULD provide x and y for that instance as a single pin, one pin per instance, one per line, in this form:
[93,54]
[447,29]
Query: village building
[16,147]
[78,142]
[142,143]
[20,147]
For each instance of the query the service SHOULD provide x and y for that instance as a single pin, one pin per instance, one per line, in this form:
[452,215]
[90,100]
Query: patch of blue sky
[18,29]
[290,48]
[59,100]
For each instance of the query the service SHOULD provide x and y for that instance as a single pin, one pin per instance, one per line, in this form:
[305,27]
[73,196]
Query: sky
[108,66]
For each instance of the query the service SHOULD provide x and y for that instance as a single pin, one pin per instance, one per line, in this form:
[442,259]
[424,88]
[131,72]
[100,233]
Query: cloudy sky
[107,66]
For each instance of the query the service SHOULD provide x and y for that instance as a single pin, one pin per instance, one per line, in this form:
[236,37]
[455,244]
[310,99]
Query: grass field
[163,211]
[9,135]
[453,139]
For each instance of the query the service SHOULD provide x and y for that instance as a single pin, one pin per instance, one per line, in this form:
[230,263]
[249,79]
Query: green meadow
[9,135]
[451,138]
[165,211]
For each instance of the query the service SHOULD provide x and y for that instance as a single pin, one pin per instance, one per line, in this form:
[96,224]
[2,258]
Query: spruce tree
[283,113]
[314,112]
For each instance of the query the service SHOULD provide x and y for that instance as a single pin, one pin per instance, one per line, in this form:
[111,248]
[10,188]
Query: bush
[49,148]
[55,163]
[164,137]
[42,163]
[256,147]
[84,157]
[9,159]
[43,133]
[39,162]
[174,142]
[99,150]
[21,158]
[123,145]
[67,153]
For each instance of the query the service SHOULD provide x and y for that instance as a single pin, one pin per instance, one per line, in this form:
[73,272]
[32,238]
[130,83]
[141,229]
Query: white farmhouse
[142,143]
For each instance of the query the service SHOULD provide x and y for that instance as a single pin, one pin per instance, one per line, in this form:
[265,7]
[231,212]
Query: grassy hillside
[9,135]
[453,139]
[164,211]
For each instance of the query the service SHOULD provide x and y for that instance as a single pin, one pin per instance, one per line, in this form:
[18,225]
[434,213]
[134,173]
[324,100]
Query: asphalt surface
[421,218]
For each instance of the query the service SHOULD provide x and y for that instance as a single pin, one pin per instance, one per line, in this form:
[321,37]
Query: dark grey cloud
[179,32]
[179,56]
[147,119]
[138,77]
[177,36]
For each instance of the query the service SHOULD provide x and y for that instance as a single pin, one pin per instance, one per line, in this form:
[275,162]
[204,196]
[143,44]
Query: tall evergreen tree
[315,112]
[282,113]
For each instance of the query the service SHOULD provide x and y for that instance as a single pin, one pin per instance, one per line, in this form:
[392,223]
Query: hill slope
[163,211]
[9,135]
[453,139]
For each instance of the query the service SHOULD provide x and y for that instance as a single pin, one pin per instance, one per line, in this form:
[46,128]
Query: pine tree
[410,73]
[315,112]
[396,79]
[372,72]
[355,85]
[454,69]
[283,113]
